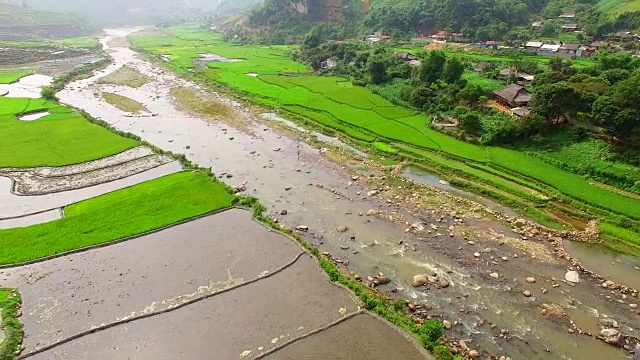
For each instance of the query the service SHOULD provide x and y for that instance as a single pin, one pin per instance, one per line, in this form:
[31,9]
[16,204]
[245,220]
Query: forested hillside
[476,20]
[19,22]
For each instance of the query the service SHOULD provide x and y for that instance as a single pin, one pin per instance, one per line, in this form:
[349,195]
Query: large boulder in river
[572,276]
[611,336]
[520,223]
[419,280]
[608,322]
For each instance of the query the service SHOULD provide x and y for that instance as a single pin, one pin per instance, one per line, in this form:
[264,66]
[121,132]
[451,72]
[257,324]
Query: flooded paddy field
[372,223]
[285,292]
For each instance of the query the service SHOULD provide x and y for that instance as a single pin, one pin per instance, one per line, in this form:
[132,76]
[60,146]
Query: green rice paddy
[140,208]
[60,138]
[358,113]
[11,77]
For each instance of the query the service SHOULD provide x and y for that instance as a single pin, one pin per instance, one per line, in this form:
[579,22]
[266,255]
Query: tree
[548,77]
[556,100]
[556,64]
[420,96]
[616,120]
[453,70]
[314,38]
[431,67]
[470,122]
[377,68]
[613,76]
[548,29]
[471,93]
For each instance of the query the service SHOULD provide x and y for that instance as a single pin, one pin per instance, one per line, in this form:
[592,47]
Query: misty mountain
[122,12]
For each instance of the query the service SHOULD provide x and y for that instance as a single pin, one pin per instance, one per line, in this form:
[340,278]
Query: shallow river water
[287,174]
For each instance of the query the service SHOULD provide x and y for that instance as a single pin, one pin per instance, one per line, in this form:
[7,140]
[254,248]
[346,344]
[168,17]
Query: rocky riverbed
[503,286]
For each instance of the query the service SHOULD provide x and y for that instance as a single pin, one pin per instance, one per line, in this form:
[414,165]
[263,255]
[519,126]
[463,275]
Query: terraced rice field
[140,208]
[356,112]
[11,77]
[63,137]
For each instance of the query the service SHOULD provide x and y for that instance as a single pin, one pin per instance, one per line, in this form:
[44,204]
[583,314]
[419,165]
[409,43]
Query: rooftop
[513,94]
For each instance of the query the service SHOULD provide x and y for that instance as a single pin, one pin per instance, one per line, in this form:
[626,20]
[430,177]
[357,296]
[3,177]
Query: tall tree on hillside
[377,68]
[553,101]
[431,67]
[453,70]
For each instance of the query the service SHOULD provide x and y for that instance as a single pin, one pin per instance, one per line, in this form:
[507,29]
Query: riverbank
[537,189]
[326,193]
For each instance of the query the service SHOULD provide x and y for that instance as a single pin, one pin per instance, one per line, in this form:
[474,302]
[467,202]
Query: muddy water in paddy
[65,296]
[68,295]
[284,173]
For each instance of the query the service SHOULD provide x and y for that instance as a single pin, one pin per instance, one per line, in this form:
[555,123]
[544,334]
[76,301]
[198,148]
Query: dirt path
[332,198]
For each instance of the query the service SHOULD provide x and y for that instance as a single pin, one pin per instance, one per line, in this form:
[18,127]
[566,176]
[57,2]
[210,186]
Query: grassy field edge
[10,302]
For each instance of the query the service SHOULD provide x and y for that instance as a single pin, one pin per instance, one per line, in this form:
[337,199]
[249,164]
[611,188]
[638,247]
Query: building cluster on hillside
[569,22]
[559,49]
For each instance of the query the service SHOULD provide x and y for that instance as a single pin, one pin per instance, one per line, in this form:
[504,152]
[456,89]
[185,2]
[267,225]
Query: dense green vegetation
[140,208]
[63,137]
[10,302]
[618,6]
[11,77]
[336,104]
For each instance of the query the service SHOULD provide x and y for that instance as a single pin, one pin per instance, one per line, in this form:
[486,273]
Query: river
[286,173]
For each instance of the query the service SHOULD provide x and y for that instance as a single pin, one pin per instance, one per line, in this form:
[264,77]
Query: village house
[598,44]
[443,35]
[533,45]
[505,74]
[377,37]
[537,24]
[328,64]
[406,56]
[521,111]
[568,16]
[567,51]
[513,96]
[570,27]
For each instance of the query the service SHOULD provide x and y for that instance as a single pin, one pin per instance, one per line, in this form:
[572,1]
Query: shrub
[48,93]
[441,352]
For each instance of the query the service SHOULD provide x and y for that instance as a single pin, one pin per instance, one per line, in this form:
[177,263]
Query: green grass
[126,76]
[617,7]
[61,138]
[620,233]
[10,305]
[384,147]
[80,42]
[392,91]
[116,215]
[11,77]
[592,157]
[124,103]
[485,83]
[357,112]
